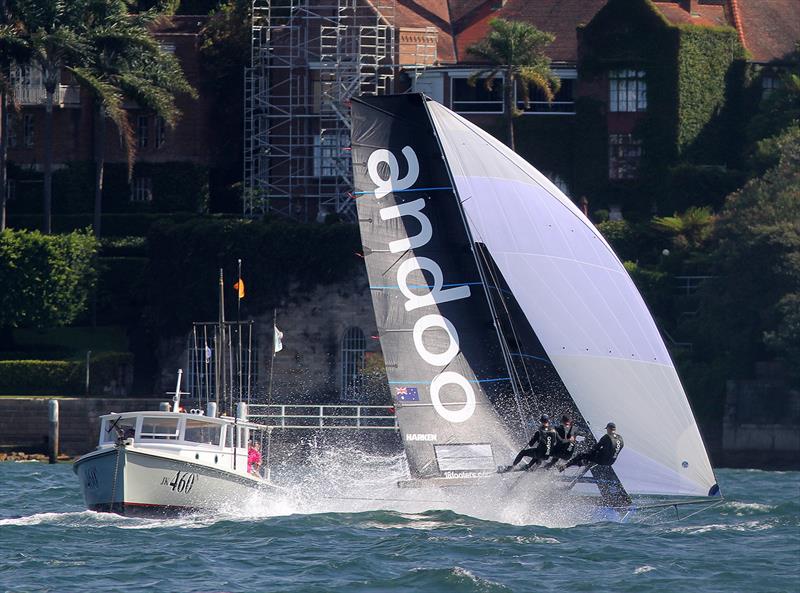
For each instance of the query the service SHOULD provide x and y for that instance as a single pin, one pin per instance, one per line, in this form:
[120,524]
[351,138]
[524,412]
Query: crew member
[541,446]
[605,451]
[253,458]
[565,447]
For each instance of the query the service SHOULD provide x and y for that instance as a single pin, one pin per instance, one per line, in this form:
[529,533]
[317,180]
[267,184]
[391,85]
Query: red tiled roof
[770,27]
[560,17]
[461,8]
[706,15]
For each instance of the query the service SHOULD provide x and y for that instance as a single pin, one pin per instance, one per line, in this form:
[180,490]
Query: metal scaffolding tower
[309,57]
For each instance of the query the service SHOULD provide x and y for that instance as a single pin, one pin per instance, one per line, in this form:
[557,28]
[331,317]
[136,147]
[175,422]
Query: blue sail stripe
[520,354]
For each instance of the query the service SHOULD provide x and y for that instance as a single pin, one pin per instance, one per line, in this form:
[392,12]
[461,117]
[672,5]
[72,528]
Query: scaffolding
[308,58]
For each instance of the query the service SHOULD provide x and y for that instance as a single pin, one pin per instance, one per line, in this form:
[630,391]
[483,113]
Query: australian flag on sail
[407,394]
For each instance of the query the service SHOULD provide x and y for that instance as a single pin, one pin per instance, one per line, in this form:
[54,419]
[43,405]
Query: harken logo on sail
[379,162]
[420,437]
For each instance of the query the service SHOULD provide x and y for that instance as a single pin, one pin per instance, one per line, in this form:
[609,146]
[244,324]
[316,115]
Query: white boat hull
[122,479]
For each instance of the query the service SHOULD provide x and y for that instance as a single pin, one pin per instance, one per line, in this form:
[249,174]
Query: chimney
[688,5]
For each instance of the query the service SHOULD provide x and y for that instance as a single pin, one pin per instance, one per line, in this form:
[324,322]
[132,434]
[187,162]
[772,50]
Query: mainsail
[512,271]
[443,361]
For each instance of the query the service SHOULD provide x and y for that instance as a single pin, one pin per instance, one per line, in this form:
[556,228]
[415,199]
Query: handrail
[318,416]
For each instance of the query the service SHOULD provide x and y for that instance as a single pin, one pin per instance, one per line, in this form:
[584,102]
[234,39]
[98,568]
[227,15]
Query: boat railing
[327,417]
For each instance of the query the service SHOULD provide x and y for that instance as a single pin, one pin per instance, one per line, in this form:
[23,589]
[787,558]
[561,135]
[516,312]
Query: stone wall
[24,426]
[309,368]
[761,426]
[24,423]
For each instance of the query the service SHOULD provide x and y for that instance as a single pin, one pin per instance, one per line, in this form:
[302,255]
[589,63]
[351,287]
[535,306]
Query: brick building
[615,124]
[158,147]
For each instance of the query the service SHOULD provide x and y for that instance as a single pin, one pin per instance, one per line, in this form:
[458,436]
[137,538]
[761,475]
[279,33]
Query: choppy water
[314,541]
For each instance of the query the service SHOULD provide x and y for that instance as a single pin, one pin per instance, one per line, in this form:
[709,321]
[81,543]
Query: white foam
[644,569]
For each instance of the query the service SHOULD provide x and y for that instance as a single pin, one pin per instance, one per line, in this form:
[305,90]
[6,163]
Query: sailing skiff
[496,301]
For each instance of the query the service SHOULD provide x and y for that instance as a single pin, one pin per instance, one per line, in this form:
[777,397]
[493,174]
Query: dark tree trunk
[508,99]
[48,162]
[99,166]
[3,156]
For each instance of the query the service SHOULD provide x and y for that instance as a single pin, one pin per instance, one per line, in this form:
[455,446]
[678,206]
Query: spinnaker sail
[538,281]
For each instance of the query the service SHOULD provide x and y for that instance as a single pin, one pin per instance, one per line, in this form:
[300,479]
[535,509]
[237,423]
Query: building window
[13,138]
[161,132]
[627,91]
[11,189]
[142,131]
[624,154]
[142,189]
[768,84]
[27,130]
[330,157]
[354,346]
[476,99]
[562,103]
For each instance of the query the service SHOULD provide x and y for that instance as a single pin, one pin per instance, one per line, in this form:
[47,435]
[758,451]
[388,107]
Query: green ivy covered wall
[695,80]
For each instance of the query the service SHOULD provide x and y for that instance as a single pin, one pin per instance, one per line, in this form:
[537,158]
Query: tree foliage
[46,280]
[752,312]
[689,230]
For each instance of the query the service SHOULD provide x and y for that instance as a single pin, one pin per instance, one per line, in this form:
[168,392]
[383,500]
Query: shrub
[40,377]
[60,377]
[46,280]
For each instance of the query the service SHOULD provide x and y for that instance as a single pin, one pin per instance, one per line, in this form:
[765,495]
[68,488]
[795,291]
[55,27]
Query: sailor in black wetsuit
[541,446]
[605,452]
[565,447]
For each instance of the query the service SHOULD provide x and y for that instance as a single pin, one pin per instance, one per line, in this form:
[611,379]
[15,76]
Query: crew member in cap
[541,446]
[605,451]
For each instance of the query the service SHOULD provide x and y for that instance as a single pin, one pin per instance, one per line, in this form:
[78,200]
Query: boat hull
[132,482]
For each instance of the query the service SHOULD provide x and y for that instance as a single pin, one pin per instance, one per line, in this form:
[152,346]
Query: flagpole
[272,359]
[239,328]
[220,377]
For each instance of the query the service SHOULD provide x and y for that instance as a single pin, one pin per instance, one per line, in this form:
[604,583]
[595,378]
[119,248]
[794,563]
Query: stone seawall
[24,427]
[24,422]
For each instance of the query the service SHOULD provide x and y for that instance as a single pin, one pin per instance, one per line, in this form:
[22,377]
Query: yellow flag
[240,287]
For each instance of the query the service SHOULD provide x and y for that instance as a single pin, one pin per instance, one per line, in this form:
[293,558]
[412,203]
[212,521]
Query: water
[321,537]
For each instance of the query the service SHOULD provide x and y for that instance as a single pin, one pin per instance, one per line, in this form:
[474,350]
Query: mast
[492,309]
[219,378]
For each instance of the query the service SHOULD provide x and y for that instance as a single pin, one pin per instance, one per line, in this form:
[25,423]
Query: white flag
[208,354]
[278,343]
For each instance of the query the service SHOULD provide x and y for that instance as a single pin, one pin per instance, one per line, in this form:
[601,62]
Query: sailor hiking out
[605,451]
[541,446]
[565,446]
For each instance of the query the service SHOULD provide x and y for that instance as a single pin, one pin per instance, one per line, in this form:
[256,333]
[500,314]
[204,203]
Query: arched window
[353,347]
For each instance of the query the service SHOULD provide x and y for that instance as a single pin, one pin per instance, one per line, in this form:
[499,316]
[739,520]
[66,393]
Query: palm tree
[126,62]
[111,53]
[516,50]
[689,230]
[52,35]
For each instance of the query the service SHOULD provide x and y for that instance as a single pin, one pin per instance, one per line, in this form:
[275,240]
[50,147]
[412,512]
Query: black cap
[611,425]
[544,418]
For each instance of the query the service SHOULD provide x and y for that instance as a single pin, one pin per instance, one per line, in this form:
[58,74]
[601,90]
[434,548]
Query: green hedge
[45,280]
[60,377]
[114,225]
[40,377]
